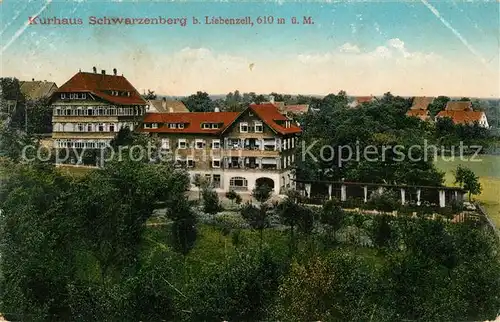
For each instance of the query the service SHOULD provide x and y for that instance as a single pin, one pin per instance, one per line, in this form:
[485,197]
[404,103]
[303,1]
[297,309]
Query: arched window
[238,183]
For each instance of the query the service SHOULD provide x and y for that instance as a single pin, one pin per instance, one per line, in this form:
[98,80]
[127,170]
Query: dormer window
[63,96]
[244,127]
[215,125]
[154,125]
[73,96]
[147,125]
[205,126]
[180,125]
[172,125]
[128,93]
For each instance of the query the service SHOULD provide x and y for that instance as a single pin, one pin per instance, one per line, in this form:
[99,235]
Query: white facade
[244,181]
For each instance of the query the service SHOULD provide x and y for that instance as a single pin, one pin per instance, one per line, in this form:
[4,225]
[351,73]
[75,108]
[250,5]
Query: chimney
[271,99]
[94,69]
[103,72]
[114,71]
[164,104]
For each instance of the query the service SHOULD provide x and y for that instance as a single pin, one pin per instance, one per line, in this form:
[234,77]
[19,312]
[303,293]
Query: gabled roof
[164,106]
[193,119]
[269,114]
[100,84]
[297,109]
[364,99]
[462,117]
[459,106]
[34,90]
[421,103]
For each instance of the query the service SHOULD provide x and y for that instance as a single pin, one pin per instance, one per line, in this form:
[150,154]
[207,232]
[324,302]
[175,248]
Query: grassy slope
[488,170]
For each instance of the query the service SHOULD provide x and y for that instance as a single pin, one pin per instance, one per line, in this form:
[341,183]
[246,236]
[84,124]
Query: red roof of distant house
[100,85]
[194,119]
[421,103]
[297,109]
[459,106]
[364,99]
[269,114]
[462,117]
[418,113]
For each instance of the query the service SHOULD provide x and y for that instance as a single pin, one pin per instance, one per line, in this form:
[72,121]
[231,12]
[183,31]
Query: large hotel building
[231,150]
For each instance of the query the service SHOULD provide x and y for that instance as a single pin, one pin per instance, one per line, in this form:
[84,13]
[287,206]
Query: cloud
[349,48]
[390,66]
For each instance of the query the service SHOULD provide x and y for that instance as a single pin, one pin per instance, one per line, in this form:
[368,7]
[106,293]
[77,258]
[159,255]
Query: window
[216,163]
[180,125]
[258,127]
[147,125]
[284,144]
[111,127]
[190,162]
[216,181]
[172,125]
[63,96]
[205,126]
[89,127]
[215,125]
[165,144]
[200,144]
[100,127]
[79,127]
[73,96]
[293,157]
[90,111]
[243,127]
[216,144]
[293,142]
[83,96]
[182,144]
[154,125]
[238,182]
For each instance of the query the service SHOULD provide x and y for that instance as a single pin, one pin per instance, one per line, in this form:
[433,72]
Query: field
[488,170]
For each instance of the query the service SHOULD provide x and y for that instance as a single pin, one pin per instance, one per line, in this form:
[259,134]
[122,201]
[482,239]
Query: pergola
[360,189]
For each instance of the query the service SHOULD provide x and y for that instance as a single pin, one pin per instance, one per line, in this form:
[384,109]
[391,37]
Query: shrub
[211,204]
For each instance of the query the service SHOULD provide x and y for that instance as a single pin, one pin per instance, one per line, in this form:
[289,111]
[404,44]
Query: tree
[381,231]
[150,95]
[199,102]
[199,182]
[257,218]
[262,193]
[438,105]
[332,216]
[211,204]
[234,197]
[468,180]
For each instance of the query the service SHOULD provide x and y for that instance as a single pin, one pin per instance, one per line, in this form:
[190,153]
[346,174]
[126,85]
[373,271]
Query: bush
[211,204]
[386,201]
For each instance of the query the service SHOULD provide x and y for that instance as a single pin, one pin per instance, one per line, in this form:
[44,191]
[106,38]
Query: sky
[417,48]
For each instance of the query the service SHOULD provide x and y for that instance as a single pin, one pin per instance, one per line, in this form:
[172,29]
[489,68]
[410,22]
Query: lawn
[488,170]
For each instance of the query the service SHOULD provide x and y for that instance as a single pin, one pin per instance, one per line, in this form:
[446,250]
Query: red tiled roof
[421,103]
[193,121]
[418,113]
[364,99]
[269,114]
[462,117]
[458,106]
[297,109]
[99,84]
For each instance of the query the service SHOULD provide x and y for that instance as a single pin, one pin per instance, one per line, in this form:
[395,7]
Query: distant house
[166,106]
[420,108]
[359,100]
[461,112]
[290,110]
[35,90]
